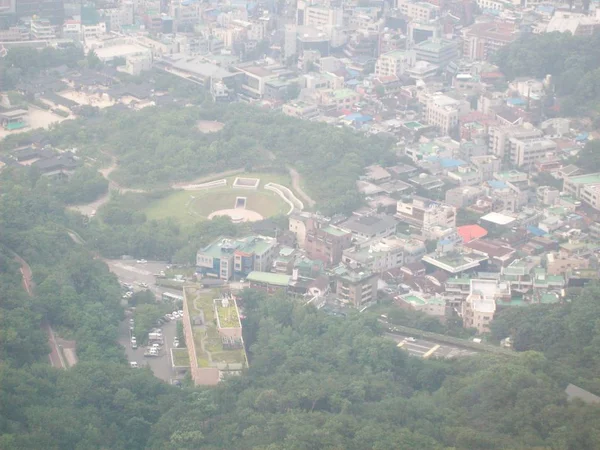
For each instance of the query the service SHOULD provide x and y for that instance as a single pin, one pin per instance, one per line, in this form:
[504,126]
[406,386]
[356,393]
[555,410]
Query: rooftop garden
[207,339]
[228,316]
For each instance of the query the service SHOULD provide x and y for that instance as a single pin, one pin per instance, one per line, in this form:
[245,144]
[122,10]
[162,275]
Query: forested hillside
[573,62]
[568,334]
[155,147]
[315,381]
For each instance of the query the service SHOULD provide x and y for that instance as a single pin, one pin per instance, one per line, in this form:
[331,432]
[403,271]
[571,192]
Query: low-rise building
[432,305]
[463,196]
[370,227]
[383,254]
[340,98]
[425,214]
[300,110]
[479,308]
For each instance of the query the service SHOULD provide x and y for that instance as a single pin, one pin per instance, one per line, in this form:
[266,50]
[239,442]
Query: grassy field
[181,357]
[189,207]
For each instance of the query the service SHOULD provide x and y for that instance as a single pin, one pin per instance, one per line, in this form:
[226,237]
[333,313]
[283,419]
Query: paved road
[131,272]
[161,365]
[428,349]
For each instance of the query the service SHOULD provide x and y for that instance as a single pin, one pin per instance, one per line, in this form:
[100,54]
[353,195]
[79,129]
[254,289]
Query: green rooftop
[274,279]
[208,344]
[335,231]
[435,45]
[228,315]
[590,178]
[461,281]
[413,125]
[414,300]
[255,244]
[342,94]
[15,126]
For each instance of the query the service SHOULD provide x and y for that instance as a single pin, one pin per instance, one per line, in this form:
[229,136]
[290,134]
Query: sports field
[193,206]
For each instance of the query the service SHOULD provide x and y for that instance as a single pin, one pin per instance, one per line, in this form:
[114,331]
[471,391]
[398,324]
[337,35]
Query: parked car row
[174,315]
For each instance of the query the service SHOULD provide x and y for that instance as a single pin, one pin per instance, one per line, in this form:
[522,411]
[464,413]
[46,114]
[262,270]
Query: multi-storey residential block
[525,152]
[442,111]
[436,51]
[225,258]
[394,63]
[326,242]
[356,287]
[500,138]
[585,188]
[483,40]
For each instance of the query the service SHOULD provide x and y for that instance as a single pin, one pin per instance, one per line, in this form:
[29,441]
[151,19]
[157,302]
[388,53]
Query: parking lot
[139,275]
[161,365]
[427,349]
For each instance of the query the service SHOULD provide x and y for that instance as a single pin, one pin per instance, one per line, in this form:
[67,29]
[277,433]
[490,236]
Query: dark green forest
[573,62]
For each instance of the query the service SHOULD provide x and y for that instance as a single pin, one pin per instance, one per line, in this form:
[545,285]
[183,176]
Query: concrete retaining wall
[287,195]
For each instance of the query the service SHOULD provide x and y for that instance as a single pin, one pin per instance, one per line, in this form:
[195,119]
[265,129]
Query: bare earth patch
[209,126]
[238,215]
[90,99]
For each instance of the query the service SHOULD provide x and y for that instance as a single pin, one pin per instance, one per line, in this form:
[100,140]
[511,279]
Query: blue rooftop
[549,9]
[497,184]
[516,101]
[536,231]
[357,117]
[448,163]
[582,137]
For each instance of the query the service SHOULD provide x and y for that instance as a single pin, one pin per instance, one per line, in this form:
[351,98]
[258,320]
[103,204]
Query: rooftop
[590,178]
[453,262]
[498,219]
[413,299]
[273,279]
[334,231]
[344,93]
[435,45]
[370,224]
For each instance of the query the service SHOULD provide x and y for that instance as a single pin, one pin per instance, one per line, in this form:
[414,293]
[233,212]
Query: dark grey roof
[369,224]
[55,163]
